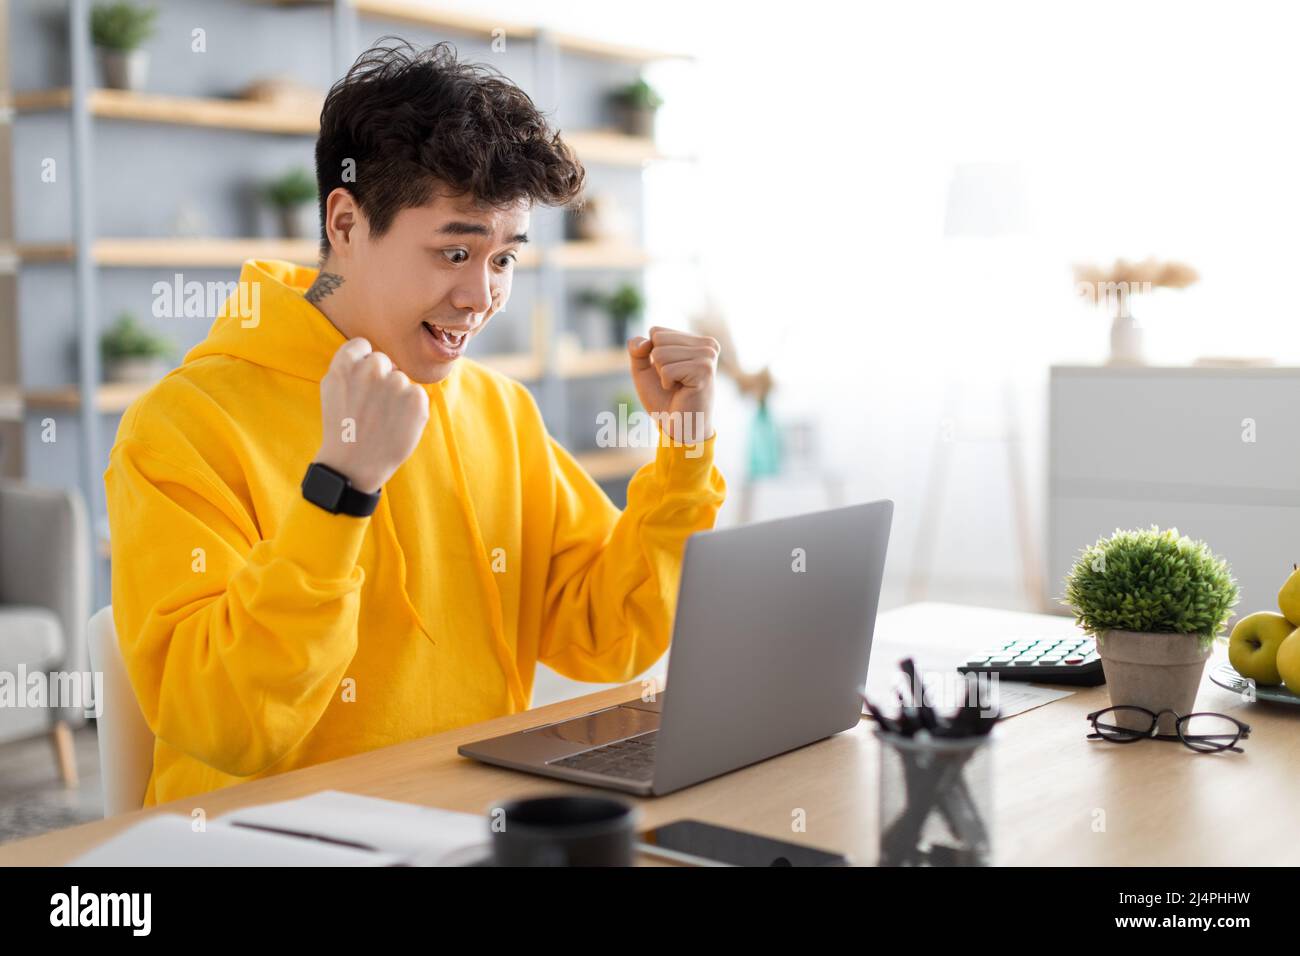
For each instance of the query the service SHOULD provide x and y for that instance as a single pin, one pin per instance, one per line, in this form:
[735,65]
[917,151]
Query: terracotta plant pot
[1155,671]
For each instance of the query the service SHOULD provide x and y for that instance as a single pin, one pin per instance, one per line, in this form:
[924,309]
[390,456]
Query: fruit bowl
[1227,677]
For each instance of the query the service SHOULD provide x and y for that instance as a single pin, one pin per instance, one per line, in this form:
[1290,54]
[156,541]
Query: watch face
[324,487]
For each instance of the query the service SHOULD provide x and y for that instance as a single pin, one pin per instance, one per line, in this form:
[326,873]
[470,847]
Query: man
[332,531]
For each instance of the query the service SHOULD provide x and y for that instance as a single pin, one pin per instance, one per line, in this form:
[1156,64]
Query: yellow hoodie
[263,634]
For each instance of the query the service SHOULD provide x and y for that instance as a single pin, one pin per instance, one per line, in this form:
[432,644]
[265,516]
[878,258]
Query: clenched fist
[372,416]
[673,373]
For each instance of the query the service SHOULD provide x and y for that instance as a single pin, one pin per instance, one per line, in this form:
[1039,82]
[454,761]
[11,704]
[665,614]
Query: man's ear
[341,217]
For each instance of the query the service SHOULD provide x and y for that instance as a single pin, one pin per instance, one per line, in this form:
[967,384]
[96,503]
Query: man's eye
[456,255]
[508,260]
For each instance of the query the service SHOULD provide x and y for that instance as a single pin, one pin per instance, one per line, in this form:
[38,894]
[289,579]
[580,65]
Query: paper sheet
[939,637]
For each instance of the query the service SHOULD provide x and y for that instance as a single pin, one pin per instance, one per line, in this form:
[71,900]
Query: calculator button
[976,660]
[1025,661]
[1050,660]
[1000,659]
[1074,659]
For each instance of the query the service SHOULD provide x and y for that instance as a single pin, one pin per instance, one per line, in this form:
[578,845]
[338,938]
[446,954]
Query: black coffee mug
[563,831]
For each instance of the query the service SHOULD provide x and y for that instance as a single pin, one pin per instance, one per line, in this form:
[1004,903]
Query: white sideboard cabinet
[1212,451]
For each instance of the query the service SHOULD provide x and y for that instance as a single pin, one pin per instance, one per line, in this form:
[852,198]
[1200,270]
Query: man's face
[430,284]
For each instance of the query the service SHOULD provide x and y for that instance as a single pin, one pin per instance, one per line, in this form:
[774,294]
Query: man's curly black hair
[414,120]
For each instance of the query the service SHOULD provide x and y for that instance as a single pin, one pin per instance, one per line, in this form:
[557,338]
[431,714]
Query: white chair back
[125,740]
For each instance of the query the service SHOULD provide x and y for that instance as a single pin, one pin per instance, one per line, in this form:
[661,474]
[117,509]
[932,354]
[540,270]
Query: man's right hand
[372,416]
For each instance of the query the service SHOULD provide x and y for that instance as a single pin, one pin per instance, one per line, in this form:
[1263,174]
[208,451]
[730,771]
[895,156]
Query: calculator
[1049,660]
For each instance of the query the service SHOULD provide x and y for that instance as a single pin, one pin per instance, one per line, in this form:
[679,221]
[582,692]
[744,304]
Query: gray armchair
[44,596]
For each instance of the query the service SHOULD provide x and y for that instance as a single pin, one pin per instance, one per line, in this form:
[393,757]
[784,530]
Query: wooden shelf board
[589,46]
[604,464]
[611,147]
[196,253]
[110,397]
[520,365]
[420,14]
[607,146]
[593,362]
[595,254]
[211,112]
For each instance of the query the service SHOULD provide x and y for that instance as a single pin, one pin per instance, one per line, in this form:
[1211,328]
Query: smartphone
[705,844]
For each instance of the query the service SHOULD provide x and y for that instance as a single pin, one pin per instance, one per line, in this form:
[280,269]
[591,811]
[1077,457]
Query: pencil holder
[936,800]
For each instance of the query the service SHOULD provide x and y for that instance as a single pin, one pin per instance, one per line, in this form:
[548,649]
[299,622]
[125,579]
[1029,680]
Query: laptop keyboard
[630,759]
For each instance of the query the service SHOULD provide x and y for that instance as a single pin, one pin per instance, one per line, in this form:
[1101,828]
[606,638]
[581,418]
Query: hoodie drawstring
[491,592]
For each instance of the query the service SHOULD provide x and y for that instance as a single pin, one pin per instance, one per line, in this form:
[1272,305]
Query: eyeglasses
[1205,733]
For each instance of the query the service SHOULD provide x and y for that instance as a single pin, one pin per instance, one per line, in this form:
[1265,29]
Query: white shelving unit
[551,374]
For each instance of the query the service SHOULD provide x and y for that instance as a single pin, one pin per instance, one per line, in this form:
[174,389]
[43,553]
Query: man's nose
[474,295]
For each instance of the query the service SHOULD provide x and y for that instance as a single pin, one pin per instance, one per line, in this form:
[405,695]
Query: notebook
[329,828]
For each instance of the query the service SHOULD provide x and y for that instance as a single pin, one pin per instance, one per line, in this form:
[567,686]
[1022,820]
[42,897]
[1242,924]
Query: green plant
[1151,581]
[639,95]
[625,303]
[127,339]
[121,26]
[294,188]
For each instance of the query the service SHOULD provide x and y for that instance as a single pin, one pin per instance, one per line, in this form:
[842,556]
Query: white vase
[1125,341]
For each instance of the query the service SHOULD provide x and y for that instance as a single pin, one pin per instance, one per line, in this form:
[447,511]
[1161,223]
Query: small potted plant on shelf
[118,30]
[288,195]
[637,104]
[131,353]
[1155,601]
[623,306]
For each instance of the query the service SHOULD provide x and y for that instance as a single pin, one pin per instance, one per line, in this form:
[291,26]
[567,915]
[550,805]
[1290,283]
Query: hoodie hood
[267,321]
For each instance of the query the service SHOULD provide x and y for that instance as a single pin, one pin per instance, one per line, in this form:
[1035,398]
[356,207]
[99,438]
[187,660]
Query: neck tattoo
[326,282]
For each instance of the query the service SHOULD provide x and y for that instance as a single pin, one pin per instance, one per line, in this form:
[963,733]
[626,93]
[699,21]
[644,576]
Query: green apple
[1253,646]
[1288,599]
[1288,662]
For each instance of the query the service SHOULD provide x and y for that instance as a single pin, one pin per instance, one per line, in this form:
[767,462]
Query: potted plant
[637,104]
[131,353]
[1115,286]
[288,195]
[622,306]
[1155,601]
[118,30]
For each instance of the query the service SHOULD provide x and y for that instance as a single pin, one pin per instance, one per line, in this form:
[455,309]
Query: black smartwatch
[326,488]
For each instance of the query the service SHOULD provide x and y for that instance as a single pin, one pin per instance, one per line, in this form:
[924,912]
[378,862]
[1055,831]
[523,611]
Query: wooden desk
[1060,799]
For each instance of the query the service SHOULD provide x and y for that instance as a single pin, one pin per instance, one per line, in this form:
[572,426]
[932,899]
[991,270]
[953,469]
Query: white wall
[828,133]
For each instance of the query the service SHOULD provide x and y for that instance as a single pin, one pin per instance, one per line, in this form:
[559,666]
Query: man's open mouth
[452,340]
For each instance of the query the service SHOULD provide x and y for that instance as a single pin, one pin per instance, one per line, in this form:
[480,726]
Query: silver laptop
[769,652]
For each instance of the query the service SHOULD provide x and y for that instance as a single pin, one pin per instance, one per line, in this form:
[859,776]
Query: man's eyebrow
[475,229]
